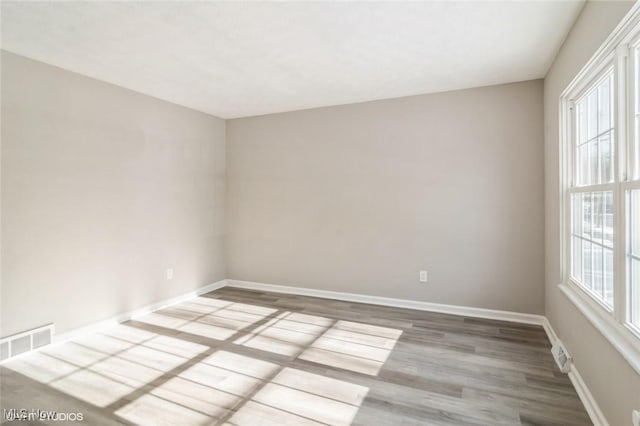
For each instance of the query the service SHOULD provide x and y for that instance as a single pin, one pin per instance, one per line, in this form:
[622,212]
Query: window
[591,206]
[600,123]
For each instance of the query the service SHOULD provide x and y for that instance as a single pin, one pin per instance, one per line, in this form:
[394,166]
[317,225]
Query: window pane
[594,161]
[634,223]
[635,292]
[635,159]
[594,134]
[605,157]
[592,243]
[576,214]
[587,269]
[592,114]
[608,277]
[608,219]
[576,266]
[604,105]
[586,215]
[596,217]
[582,123]
[598,270]
[583,164]
[633,257]
[635,163]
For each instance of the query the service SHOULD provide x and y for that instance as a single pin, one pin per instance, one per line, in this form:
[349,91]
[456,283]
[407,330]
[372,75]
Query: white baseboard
[587,399]
[398,303]
[589,402]
[551,334]
[137,313]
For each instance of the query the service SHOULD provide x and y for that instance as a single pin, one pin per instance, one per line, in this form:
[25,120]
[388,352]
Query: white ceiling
[237,59]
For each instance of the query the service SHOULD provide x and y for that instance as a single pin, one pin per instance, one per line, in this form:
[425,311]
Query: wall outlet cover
[636,417]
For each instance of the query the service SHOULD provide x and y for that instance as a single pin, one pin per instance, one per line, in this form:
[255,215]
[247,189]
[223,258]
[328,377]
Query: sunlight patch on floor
[283,335]
[210,318]
[152,372]
[207,390]
[299,397]
[253,413]
[161,411]
[92,387]
[358,347]
[241,364]
[41,367]
[103,367]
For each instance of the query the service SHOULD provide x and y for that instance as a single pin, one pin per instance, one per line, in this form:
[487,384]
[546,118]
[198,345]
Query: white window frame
[616,53]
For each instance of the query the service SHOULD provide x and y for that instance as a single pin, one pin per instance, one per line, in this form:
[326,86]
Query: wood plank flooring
[240,357]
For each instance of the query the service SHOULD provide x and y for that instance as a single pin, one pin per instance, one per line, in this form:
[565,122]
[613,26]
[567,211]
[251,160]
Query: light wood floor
[242,357]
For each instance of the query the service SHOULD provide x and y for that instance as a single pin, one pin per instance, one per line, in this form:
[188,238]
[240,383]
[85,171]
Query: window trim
[618,52]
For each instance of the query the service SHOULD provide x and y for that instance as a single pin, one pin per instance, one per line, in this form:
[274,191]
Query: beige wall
[102,190]
[359,198]
[612,381]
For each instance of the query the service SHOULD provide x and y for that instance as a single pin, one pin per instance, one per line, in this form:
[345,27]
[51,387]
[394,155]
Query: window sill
[621,338]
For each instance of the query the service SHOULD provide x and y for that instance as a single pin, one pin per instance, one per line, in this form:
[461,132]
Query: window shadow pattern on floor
[213,361]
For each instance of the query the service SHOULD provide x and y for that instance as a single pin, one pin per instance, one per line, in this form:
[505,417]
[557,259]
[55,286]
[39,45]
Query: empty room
[253,213]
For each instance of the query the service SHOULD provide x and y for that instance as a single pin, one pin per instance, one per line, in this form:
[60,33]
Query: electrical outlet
[636,417]
[170,274]
[424,276]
